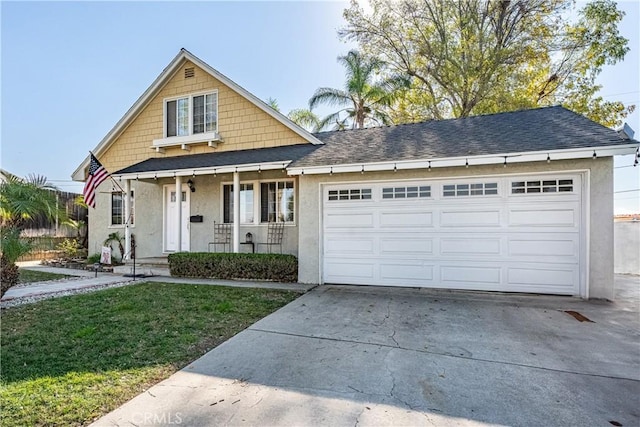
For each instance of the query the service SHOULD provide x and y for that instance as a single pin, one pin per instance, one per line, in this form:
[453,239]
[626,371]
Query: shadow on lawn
[136,326]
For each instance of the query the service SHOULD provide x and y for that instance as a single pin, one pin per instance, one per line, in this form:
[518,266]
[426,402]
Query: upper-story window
[191,115]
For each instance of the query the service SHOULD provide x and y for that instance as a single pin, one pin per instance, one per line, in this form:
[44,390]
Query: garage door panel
[470,218]
[349,220]
[470,274]
[470,246]
[408,245]
[540,217]
[406,219]
[340,245]
[553,280]
[408,273]
[544,247]
[349,272]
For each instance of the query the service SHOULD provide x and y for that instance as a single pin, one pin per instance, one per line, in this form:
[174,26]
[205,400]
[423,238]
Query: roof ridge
[447,119]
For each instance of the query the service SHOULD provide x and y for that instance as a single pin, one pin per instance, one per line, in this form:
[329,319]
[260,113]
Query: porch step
[156,266]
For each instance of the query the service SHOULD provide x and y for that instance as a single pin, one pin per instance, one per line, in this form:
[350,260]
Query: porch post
[236,212]
[178,224]
[127,218]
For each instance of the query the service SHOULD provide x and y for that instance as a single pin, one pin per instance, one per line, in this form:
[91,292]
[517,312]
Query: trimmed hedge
[205,265]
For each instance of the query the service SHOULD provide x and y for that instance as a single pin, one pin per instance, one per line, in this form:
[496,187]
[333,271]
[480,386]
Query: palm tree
[21,201]
[304,118]
[25,200]
[300,116]
[364,99]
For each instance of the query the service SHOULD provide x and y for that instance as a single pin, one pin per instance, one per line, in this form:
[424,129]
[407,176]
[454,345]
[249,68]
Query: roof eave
[166,74]
[489,159]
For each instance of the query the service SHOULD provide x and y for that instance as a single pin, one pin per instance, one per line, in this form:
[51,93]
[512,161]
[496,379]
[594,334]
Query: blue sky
[70,70]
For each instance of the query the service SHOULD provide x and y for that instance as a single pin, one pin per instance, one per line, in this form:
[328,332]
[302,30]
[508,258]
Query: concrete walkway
[83,281]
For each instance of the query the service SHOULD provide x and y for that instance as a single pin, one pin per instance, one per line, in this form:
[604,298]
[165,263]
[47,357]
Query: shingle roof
[225,158]
[542,129]
[539,130]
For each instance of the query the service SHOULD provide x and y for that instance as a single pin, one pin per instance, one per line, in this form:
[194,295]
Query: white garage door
[516,234]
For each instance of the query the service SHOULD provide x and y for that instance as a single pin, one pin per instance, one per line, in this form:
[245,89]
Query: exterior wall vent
[189,72]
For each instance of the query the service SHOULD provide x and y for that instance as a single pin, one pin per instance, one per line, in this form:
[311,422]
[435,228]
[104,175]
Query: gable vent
[189,72]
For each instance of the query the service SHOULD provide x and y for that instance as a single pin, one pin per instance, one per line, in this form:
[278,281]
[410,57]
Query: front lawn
[69,360]
[29,276]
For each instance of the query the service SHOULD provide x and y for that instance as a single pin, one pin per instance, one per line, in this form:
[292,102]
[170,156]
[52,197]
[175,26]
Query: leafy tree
[469,57]
[365,99]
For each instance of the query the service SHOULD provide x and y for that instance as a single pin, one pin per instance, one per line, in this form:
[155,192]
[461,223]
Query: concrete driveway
[391,356]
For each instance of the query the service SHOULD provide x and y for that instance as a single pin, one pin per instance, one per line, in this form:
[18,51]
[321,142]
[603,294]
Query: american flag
[97,174]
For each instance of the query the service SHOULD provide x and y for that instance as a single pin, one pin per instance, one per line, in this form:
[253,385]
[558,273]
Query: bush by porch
[274,267]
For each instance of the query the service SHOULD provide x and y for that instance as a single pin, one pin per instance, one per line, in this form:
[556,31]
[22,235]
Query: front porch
[245,196]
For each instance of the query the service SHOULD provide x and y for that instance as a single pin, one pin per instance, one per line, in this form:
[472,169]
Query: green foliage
[67,361]
[365,96]
[470,57]
[30,276]
[9,275]
[70,248]
[92,259]
[12,246]
[276,267]
[23,200]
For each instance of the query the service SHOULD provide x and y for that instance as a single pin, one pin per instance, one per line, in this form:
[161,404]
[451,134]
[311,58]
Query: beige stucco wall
[241,124]
[627,247]
[205,201]
[600,214]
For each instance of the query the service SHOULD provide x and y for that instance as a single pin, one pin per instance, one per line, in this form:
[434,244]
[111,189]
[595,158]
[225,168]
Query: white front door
[170,218]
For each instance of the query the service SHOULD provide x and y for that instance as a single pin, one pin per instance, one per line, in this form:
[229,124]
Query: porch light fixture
[191,186]
[248,238]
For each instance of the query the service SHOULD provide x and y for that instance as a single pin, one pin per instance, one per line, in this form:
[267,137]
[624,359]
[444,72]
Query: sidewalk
[86,281]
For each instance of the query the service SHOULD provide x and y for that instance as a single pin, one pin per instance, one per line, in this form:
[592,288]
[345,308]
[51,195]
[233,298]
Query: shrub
[92,259]
[276,267]
[70,247]
[9,275]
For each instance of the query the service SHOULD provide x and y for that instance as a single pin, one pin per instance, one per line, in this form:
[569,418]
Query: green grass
[29,276]
[69,360]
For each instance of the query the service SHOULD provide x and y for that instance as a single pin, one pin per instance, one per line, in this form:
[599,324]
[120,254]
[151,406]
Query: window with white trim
[475,189]
[117,208]
[246,203]
[542,186]
[191,115]
[406,192]
[350,194]
[277,201]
